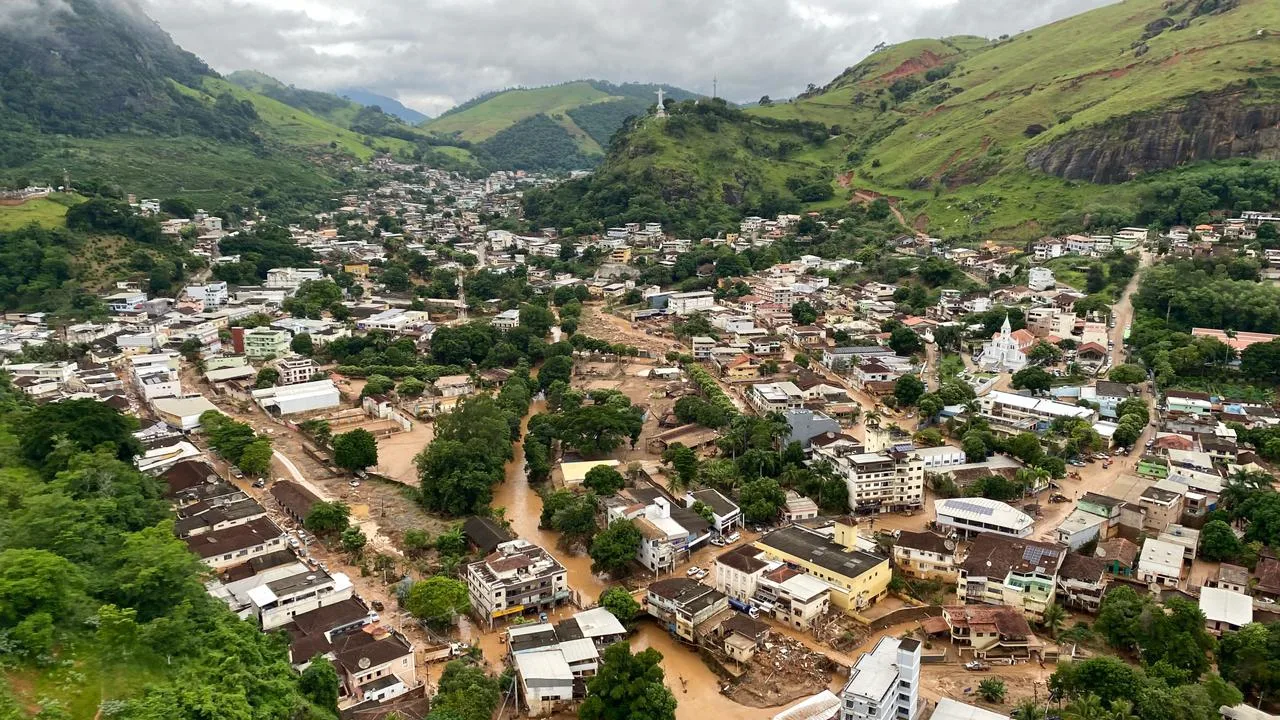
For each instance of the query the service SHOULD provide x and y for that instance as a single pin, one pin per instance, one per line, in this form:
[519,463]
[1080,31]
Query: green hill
[1081,117]
[100,94]
[557,127]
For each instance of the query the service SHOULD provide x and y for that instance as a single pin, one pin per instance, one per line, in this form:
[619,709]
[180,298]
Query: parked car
[354,483]
[734,537]
[692,571]
[260,483]
[976,665]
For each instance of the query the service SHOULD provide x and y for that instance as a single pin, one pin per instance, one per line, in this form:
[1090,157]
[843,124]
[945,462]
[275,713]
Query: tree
[1088,707]
[1128,430]
[353,540]
[1135,406]
[628,687]
[761,500]
[256,457]
[319,683]
[377,385]
[620,603]
[1043,353]
[1127,373]
[803,313]
[603,480]
[1032,378]
[267,377]
[1218,542]
[1053,618]
[975,448]
[615,547]
[302,344]
[558,367]
[1028,709]
[992,690]
[908,389]
[85,423]
[905,341]
[328,517]
[355,450]
[438,601]
[411,387]
[684,462]
[765,101]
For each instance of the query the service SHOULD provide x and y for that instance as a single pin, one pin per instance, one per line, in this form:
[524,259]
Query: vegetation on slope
[697,172]
[530,128]
[972,136]
[102,608]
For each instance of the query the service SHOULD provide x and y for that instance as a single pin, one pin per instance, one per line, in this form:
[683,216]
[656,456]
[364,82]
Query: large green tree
[355,450]
[615,547]
[438,600]
[628,687]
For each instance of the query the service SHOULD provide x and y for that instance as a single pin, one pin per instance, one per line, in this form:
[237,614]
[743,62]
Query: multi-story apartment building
[238,544]
[926,555]
[775,397]
[1013,414]
[516,578]
[885,683]
[1009,571]
[264,342]
[276,602]
[682,604]
[878,482]
[295,369]
[857,578]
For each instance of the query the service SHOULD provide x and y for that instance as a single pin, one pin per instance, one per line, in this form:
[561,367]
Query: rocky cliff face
[1208,128]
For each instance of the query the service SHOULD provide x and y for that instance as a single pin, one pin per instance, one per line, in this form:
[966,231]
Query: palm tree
[992,690]
[1088,707]
[1028,710]
[871,419]
[1054,617]
[1122,710]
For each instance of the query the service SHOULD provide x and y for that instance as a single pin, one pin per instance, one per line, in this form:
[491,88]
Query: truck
[744,607]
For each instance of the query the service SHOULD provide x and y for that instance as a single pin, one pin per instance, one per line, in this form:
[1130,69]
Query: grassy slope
[481,122]
[258,82]
[47,212]
[965,132]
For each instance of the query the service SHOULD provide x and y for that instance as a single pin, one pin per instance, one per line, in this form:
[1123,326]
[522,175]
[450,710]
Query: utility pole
[715,87]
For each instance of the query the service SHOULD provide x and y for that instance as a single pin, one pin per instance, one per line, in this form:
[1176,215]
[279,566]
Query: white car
[692,571]
[735,537]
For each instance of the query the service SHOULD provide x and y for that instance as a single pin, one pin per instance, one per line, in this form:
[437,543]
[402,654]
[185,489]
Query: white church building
[1005,351]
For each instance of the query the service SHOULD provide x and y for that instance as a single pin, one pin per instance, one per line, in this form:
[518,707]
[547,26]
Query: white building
[507,320]
[1002,352]
[516,578]
[290,278]
[295,369]
[214,293]
[970,516]
[1160,562]
[691,302]
[1040,279]
[878,482]
[277,602]
[304,397]
[885,683]
[1012,413]
[949,709]
[1225,610]
[779,397]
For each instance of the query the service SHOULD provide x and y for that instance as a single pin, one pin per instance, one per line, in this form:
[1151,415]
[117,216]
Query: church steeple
[1006,329]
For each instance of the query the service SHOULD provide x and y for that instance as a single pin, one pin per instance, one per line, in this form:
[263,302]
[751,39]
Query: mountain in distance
[389,105]
[96,90]
[968,136]
[556,127]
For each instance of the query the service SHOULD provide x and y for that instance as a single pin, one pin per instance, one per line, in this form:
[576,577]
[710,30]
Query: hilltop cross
[662,109]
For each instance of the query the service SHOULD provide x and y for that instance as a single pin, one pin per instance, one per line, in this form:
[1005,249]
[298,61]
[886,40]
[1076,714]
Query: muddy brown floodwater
[523,507]
[696,687]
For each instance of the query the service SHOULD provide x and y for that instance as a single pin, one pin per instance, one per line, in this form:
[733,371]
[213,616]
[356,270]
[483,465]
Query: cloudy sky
[433,54]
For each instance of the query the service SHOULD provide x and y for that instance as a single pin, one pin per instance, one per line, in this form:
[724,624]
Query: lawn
[45,212]
[484,120]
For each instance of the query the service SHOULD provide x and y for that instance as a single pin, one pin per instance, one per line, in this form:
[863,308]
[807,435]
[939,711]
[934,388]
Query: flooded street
[523,507]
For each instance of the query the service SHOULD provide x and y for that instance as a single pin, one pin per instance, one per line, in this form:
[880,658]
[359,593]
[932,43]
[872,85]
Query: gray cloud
[432,54]
[30,15]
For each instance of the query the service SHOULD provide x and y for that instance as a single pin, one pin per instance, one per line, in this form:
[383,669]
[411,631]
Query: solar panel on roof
[1034,554]
[970,507]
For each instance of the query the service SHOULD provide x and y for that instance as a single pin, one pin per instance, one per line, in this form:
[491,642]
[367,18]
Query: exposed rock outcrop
[1207,128]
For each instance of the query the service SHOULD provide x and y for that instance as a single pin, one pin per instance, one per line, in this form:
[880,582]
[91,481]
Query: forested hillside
[102,607]
[94,90]
[556,127]
[1052,127]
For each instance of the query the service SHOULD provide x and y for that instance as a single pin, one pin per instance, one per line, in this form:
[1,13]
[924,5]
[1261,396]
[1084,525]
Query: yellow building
[857,578]
[360,270]
[620,255]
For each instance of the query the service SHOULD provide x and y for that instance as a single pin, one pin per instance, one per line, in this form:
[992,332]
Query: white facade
[879,482]
[1002,352]
[978,515]
[885,683]
[275,603]
[214,293]
[691,302]
[305,397]
[1040,279]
